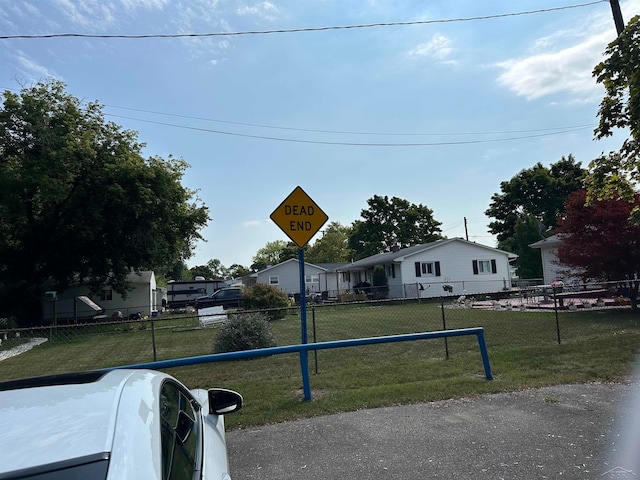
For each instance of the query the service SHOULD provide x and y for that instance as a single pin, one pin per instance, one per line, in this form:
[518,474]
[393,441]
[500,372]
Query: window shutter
[475,267]
[393,270]
[437,269]
[494,267]
[418,273]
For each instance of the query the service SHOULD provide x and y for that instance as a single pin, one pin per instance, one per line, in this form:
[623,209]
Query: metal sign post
[304,359]
[300,218]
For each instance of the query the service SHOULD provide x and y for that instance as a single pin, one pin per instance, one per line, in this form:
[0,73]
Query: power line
[549,130]
[455,225]
[300,30]
[348,132]
[351,144]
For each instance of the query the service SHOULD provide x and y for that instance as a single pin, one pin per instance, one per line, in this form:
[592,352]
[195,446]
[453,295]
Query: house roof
[140,277]
[551,241]
[403,253]
[331,267]
[254,275]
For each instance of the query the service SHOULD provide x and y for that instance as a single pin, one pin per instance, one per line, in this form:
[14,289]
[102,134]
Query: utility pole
[466,232]
[617,15]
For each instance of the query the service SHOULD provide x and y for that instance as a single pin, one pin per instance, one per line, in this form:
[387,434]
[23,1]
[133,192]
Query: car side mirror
[223,401]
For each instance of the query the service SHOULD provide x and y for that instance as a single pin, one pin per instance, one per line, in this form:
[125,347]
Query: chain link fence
[530,317]
[526,315]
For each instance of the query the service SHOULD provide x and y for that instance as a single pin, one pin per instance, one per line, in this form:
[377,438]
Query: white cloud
[146,4]
[252,223]
[439,47]
[89,13]
[629,9]
[30,9]
[11,14]
[32,68]
[265,10]
[553,67]
[197,16]
[562,62]
[566,70]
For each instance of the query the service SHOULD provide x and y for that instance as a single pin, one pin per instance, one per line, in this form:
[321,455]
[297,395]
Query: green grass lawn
[523,350]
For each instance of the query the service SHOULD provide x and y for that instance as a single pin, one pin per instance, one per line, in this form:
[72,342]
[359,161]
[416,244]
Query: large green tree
[236,270]
[617,173]
[390,223]
[332,246]
[273,253]
[78,201]
[218,271]
[527,230]
[214,269]
[528,205]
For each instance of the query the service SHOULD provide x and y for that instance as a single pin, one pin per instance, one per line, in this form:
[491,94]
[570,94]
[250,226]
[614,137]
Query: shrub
[380,282]
[244,331]
[268,298]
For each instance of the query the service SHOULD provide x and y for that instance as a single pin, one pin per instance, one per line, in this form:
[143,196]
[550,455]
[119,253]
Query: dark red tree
[600,243]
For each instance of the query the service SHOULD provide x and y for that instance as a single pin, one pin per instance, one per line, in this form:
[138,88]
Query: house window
[106,294]
[312,278]
[390,270]
[274,280]
[427,269]
[346,277]
[484,267]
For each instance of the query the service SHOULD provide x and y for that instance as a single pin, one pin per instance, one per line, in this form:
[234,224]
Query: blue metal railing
[304,348]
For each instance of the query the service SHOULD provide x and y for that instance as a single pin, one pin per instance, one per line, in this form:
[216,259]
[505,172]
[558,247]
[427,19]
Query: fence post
[153,338]
[555,308]
[444,327]
[315,339]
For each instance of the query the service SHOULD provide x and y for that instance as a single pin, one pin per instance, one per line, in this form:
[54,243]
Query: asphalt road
[560,432]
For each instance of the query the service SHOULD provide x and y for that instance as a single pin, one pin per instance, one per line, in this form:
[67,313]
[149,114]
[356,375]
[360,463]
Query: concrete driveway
[565,432]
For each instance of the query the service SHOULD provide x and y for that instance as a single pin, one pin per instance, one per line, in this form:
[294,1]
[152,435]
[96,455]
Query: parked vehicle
[116,424]
[225,297]
[182,294]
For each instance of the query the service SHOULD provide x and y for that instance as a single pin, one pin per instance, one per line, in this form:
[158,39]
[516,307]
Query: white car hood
[55,423]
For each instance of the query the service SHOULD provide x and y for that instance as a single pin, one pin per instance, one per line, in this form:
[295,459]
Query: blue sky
[484,98]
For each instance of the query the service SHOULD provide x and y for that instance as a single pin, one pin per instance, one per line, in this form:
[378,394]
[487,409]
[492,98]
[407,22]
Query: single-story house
[145,298]
[318,278]
[444,267]
[552,269]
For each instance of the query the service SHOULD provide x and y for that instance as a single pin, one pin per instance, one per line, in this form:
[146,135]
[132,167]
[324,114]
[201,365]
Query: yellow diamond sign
[299,217]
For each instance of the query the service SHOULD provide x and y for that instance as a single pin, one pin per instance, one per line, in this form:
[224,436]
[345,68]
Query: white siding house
[552,269]
[449,266]
[333,281]
[144,298]
[285,276]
